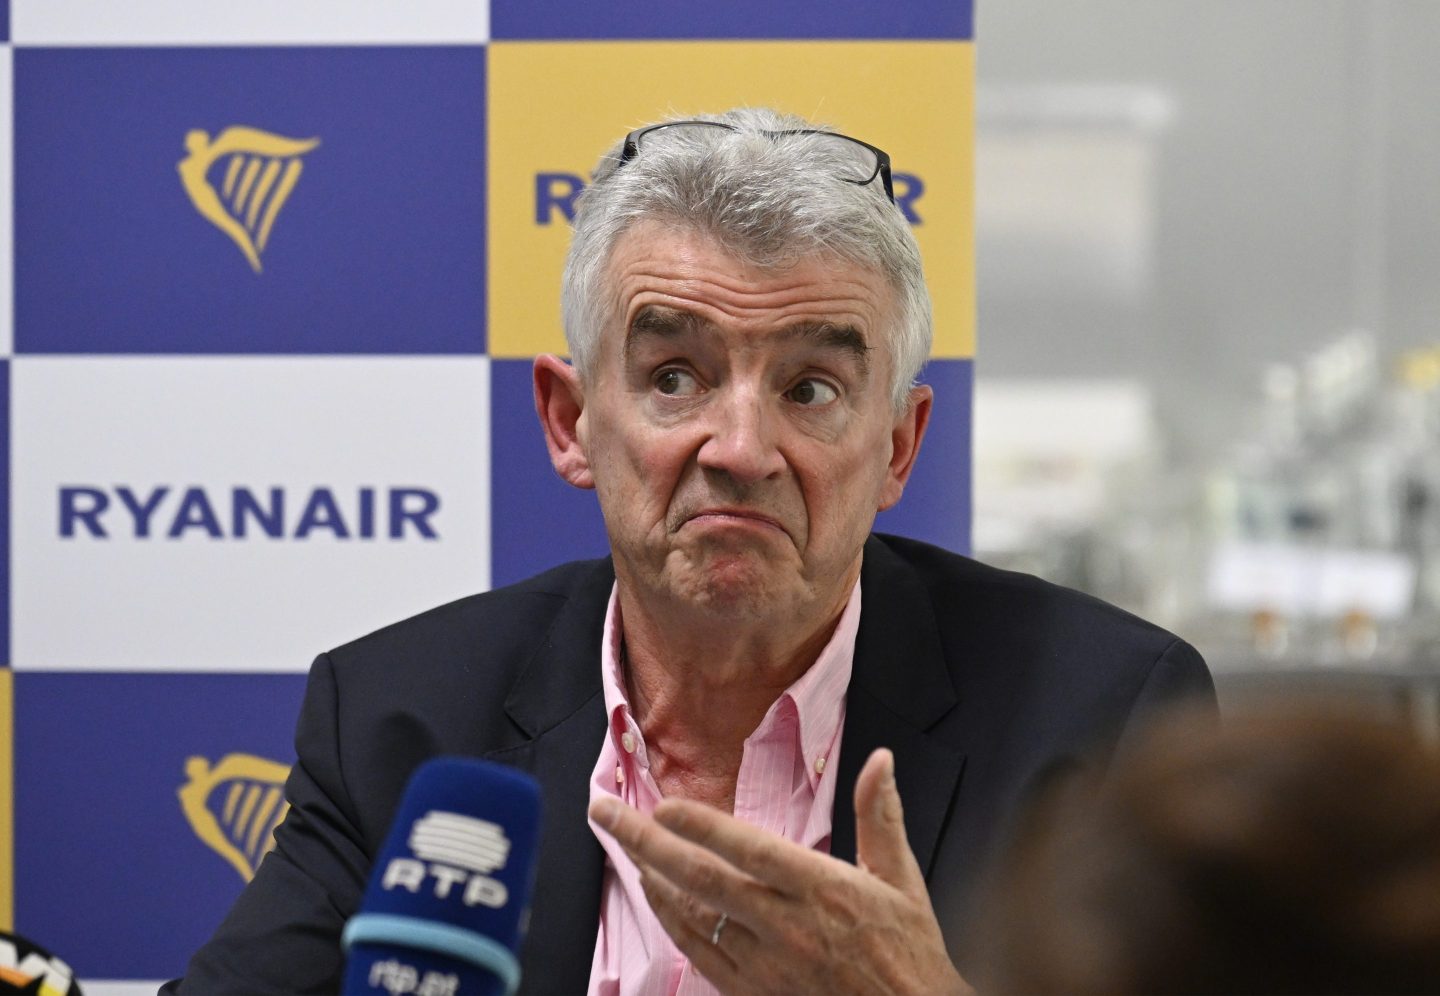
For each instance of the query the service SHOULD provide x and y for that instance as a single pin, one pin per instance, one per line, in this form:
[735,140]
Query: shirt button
[820,766]
[619,775]
[627,740]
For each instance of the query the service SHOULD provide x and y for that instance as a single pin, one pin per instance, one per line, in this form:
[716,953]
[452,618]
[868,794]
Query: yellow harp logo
[234,806]
[261,170]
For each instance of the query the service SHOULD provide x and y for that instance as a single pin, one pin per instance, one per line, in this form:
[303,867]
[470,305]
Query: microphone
[448,901]
[26,967]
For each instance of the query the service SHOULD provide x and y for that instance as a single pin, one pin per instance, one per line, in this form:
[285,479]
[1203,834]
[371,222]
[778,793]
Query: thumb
[880,843]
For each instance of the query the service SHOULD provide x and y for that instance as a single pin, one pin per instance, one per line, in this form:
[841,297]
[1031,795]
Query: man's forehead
[658,322]
[669,277]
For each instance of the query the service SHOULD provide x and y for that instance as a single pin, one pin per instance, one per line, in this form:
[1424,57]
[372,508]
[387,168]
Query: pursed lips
[736,513]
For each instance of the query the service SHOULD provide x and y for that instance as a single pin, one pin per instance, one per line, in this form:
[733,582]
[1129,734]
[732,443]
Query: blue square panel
[142,802]
[796,19]
[537,520]
[936,505]
[250,200]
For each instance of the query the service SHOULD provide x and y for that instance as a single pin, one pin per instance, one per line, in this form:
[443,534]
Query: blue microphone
[447,903]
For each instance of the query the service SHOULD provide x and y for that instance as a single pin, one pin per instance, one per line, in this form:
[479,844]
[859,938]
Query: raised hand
[756,913]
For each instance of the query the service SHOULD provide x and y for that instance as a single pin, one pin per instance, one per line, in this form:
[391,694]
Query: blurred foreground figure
[1289,852]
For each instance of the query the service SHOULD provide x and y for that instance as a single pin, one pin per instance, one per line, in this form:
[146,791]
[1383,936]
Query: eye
[811,392]
[676,383]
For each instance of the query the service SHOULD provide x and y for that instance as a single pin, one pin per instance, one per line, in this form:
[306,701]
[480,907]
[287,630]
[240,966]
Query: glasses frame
[631,148]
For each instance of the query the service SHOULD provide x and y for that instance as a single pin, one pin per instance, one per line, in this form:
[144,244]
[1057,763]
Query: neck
[699,687]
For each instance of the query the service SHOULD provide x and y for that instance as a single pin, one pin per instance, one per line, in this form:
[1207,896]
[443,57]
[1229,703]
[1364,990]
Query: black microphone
[448,901]
[26,967]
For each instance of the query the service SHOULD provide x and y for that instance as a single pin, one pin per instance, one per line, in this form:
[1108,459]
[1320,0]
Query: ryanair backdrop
[274,309]
[287,200]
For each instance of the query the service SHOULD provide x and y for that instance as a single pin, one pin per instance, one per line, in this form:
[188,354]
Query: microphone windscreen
[446,907]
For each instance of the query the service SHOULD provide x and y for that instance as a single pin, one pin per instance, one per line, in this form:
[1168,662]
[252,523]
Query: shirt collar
[818,695]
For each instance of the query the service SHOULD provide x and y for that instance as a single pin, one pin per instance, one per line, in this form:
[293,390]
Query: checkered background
[255,409]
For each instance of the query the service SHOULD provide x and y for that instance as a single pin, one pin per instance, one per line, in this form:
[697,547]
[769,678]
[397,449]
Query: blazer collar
[557,702]
[563,673]
[899,689]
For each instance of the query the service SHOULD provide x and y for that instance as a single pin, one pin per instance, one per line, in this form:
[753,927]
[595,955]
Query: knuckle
[839,904]
[756,853]
[706,878]
[642,838]
[692,908]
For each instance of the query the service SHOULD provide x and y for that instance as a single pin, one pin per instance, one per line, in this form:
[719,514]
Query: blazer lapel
[557,701]
[899,688]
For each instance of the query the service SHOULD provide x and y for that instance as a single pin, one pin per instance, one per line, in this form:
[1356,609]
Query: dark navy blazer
[982,682]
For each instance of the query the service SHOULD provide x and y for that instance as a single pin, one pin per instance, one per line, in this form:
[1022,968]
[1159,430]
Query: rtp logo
[260,172]
[476,844]
[454,851]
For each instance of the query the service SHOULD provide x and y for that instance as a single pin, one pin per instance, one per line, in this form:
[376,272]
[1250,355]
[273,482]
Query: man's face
[738,424]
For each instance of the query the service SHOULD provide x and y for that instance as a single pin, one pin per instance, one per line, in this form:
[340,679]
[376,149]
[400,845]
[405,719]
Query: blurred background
[1209,376]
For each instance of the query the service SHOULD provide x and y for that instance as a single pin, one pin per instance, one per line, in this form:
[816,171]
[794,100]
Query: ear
[559,401]
[905,440]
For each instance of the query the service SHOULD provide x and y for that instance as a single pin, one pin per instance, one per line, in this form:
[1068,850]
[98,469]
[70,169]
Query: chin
[736,587]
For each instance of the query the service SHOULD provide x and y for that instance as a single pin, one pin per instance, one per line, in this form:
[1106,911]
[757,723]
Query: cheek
[637,468]
[843,494]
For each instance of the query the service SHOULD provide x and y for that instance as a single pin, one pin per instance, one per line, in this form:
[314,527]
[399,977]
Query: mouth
[743,518]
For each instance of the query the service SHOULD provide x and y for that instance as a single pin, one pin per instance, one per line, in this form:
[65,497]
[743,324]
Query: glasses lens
[680,132]
[852,161]
[841,155]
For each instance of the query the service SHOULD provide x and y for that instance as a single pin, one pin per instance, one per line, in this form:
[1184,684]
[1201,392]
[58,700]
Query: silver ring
[719,926]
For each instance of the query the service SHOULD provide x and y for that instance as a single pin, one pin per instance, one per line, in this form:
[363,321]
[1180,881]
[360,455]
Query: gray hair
[770,202]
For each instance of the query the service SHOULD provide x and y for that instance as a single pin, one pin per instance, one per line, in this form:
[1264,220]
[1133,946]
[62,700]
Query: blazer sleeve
[282,934]
[1178,679]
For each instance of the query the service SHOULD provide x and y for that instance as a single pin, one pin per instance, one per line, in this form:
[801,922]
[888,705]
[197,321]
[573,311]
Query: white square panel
[239,513]
[252,22]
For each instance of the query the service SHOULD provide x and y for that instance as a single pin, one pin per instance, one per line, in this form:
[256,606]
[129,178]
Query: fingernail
[889,792]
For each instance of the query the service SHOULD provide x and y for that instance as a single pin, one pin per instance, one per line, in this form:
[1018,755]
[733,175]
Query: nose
[741,438]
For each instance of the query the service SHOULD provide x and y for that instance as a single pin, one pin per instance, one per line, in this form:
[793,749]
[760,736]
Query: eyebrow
[829,335]
[655,321]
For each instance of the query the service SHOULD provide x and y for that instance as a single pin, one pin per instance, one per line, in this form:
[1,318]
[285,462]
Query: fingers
[764,856]
[880,842]
[700,873]
[691,926]
[687,888]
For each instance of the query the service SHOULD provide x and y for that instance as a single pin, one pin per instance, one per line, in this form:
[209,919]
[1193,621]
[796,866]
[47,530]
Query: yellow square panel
[555,107]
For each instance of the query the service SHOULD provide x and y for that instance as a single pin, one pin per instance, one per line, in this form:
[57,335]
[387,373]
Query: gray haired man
[753,781]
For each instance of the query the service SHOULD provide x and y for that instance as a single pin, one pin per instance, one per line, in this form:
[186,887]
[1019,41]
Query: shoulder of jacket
[987,592]
[518,607]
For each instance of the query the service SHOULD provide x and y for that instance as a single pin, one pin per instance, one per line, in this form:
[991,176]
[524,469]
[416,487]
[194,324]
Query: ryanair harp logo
[234,806]
[260,170]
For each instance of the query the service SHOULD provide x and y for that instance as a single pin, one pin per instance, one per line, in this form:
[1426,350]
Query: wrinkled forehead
[657,257]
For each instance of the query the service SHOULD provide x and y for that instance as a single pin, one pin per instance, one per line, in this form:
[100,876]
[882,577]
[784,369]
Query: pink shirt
[786,785]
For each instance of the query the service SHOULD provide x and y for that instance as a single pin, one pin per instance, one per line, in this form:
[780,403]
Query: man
[746,313]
